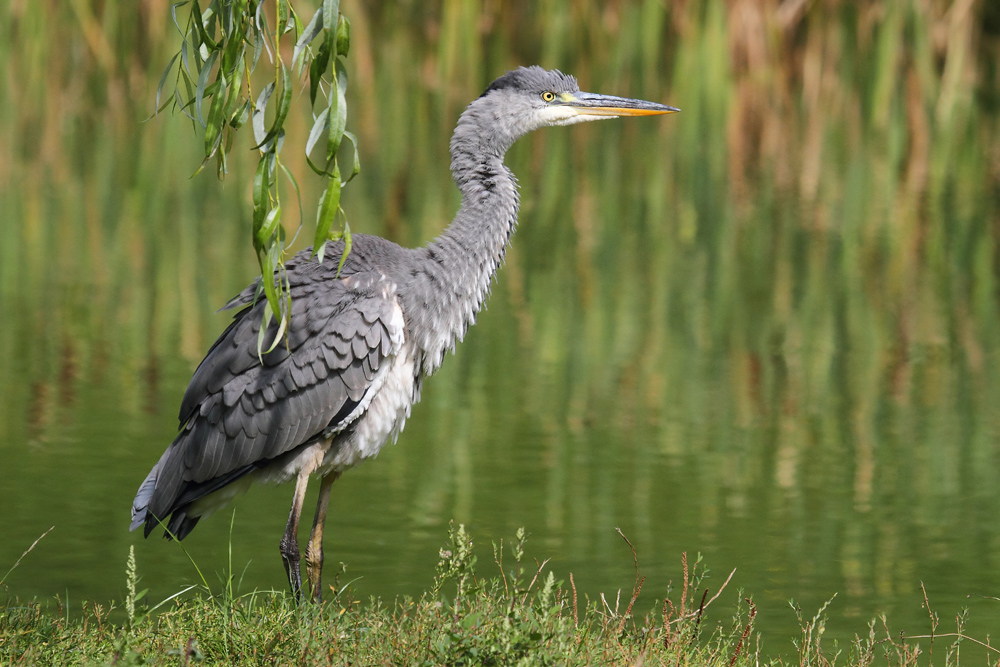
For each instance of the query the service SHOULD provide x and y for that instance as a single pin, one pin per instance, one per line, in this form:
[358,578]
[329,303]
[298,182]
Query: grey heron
[359,342]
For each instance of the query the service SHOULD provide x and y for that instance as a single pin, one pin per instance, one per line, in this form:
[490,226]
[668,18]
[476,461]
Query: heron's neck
[457,268]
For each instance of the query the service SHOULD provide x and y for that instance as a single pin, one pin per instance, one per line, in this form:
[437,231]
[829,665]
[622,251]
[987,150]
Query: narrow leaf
[347,247]
[258,113]
[163,79]
[282,17]
[356,167]
[328,211]
[185,63]
[258,48]
[183,106]
[331,10]
[233,98]
[284,103]
[343,36]
[262,29]
[265,322]
[286,100]
[282,323]
[199,94]
[271,222]
[338,111]
[199,21]
[232,57]
[216,118]
[173,15]
[307,36]
[319,126]
[298,197]
[261,186]
[267,270]
[240,116]
[318,170]
[317,68]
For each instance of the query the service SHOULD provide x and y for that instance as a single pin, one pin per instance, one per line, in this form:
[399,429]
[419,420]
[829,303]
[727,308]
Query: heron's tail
[145,493]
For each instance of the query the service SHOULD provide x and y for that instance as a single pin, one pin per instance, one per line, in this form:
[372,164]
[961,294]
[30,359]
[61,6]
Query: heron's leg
[289,545]
[314,550]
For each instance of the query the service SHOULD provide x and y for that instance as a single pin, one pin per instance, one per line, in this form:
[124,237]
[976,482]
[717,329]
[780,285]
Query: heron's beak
[592,106]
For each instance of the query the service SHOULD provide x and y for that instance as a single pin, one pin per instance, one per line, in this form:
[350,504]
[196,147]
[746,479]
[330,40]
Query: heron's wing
[238,411]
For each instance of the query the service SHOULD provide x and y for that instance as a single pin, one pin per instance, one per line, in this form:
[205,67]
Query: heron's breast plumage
[382,416]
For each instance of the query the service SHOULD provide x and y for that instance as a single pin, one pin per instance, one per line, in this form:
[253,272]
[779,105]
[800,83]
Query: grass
[522,616]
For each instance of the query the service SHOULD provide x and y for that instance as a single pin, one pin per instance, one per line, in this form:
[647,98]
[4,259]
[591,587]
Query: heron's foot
[290,557]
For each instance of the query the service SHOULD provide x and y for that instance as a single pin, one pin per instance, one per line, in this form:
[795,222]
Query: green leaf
[262,29]
[183,106]
[232,57]
[239,117]
[331,10]
[185,64]
[267,280]
[271,271]
[343,36]
[327,211]
[216,118]
[199,22]
[258,48]
[233,98]
[317,68]
[199,94]
[279,141]
[286,100]
[307,36]
[226,19]
[298,193]
[319,126]
[356,168]
[173,15]
[269,226]
[347,247]
[284,103]
[338,111]
[282,17]
[282,324]
[258,113]
[261,188]
[265,322]
[163,79]
[269,264]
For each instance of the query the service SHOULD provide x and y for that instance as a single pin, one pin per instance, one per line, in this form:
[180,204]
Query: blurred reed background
[765,328]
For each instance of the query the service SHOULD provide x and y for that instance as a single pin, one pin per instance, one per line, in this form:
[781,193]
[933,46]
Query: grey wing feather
[240,411]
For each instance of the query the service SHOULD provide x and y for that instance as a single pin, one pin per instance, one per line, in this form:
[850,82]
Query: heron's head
[528,98]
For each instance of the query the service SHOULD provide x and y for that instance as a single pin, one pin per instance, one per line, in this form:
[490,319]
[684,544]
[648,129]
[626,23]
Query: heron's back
[332,393]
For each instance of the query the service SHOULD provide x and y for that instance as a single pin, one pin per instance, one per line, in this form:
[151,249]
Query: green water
[794,378]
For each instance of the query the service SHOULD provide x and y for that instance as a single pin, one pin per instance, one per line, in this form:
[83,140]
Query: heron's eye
[548,96]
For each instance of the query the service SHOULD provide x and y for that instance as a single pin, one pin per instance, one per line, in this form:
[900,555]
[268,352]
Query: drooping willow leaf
[221,47]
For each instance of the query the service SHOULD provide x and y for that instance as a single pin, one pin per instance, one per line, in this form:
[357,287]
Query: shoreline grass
[522,616]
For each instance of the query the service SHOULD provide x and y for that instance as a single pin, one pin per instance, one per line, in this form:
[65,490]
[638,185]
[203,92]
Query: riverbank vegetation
[521,614]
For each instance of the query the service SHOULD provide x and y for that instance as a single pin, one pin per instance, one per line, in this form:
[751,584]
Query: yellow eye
[548,96]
